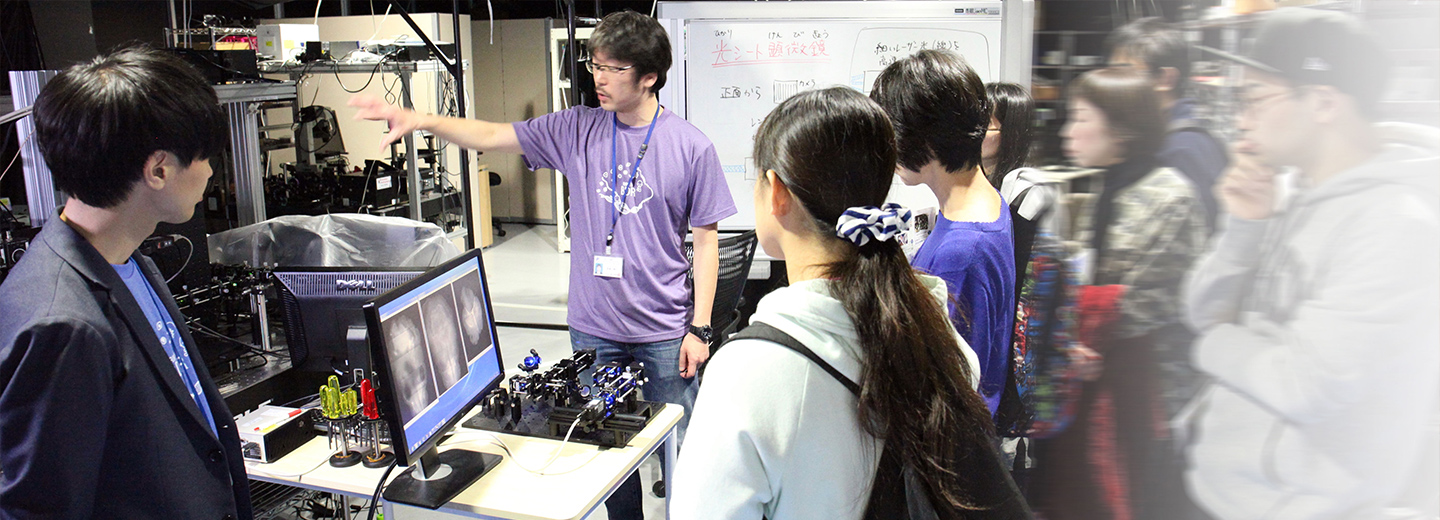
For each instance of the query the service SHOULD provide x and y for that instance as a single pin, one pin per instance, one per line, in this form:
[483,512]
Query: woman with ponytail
[780,436]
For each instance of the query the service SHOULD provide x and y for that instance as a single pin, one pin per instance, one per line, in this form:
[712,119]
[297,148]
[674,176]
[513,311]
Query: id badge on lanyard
[609,265]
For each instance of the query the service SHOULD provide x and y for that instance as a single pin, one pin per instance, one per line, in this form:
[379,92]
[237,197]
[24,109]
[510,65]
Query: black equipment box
[220,67]
[378,186]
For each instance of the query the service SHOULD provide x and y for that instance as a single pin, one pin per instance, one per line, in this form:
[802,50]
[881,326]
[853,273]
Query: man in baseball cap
[1316,310]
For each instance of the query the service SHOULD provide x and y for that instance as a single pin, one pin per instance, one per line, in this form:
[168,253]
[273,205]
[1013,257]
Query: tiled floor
[529,284]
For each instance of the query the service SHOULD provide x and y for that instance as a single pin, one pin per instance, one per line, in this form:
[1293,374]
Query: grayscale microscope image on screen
[410,356]
[474,323]
[442,333]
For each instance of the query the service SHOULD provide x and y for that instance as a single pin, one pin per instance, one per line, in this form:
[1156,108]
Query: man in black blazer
[106,409]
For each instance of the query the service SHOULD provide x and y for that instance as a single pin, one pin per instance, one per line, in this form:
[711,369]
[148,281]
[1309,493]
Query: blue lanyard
[615,170]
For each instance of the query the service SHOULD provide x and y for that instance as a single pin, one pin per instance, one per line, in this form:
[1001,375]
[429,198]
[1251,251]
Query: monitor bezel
[380,362]
[283,289]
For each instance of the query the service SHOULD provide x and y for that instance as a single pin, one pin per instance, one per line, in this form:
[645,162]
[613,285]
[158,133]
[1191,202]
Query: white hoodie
[1319,327]
[772,433]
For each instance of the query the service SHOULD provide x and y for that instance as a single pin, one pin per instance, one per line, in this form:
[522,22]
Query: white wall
[514,86]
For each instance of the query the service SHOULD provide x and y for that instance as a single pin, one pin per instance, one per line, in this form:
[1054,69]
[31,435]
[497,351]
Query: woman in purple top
[940,111]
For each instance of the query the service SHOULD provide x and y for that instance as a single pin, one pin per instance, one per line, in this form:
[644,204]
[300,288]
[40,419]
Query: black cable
[263,361]
[8,213]
[304,74]
[196,327]
[390,96]
[379,487]
[292,404]
[367,82]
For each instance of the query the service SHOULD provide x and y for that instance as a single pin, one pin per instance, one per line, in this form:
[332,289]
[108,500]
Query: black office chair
[495,221]
[736,253]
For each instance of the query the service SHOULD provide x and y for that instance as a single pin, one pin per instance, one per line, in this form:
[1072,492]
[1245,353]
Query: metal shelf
[217,31]
[354,67]
[255,92]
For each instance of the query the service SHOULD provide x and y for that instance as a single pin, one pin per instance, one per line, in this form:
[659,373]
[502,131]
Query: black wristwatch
[705,333]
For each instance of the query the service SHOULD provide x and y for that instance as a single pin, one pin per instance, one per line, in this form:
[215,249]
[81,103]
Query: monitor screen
[435,352]
[322,304]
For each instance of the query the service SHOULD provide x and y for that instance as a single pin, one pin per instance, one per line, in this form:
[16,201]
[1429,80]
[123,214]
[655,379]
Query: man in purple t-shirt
[640,176]
[941,111]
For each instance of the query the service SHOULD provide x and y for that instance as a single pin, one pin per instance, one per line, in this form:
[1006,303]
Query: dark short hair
[97,123]
[1014,109]
[939,108]
[1127,98]
[636,39]
[1155,42]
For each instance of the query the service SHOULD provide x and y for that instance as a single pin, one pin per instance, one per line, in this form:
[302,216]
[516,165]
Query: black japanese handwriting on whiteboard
[733,92]
[910,47]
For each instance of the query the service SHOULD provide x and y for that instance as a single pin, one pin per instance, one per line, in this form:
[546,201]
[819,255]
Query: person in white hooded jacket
[1317,311]
[773,434]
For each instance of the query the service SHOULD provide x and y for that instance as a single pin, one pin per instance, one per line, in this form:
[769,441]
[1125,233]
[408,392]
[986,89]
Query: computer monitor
[324,324]
[435,355]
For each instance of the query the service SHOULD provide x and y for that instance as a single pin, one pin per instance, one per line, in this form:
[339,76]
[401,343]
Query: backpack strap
[768,333]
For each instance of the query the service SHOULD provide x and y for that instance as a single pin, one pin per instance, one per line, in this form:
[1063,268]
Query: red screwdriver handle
[367,397]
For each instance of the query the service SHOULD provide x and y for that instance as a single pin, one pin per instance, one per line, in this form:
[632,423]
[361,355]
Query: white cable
[563,443]
[188,256]
[382,22]
[255,466]
[495,440]
[318,3]
[491,9]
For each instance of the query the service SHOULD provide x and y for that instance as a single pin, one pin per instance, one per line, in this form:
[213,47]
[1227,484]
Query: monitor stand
[438,477]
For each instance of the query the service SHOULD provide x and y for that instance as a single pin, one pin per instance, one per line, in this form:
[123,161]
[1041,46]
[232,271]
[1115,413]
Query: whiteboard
[735,64]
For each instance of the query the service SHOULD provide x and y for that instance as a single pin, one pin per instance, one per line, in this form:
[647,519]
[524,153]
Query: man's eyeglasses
[596,68]
[1250,104]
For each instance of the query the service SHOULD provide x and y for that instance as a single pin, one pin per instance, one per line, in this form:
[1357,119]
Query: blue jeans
[662,368]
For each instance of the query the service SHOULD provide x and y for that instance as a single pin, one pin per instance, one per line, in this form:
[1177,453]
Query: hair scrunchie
[860,224]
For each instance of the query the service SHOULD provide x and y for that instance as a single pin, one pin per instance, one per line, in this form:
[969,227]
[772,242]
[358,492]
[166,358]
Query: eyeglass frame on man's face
[596,68]
[1249,105]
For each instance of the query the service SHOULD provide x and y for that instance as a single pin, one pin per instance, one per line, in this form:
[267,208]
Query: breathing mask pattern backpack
[1043,388]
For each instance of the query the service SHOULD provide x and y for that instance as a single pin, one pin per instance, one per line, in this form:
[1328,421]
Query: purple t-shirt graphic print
[678,185]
